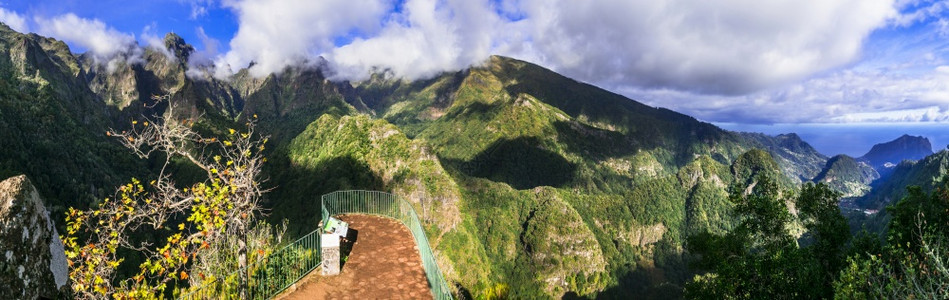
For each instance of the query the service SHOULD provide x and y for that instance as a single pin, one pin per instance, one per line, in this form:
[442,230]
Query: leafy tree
[829,231]
[741,259]
[195,218]
[914,264]
[760,258]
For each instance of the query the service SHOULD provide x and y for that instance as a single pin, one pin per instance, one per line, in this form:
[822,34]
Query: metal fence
[277,271]
[267,276]
[391,206]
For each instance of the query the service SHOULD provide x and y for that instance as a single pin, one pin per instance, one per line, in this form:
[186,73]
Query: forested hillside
[530,184]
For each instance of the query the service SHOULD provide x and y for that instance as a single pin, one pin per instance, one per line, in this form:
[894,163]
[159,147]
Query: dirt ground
[384,263]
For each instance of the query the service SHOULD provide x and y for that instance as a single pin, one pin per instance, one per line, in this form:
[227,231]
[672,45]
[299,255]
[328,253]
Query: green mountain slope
[797,158]
[524,178]
[51,126]
[639,177]
[924,173]
[848,176]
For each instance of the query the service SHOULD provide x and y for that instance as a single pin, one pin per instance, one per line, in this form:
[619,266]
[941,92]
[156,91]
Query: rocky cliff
[797,159]
[33,263]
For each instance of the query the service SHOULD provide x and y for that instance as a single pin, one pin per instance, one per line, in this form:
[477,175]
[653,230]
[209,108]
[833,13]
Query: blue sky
[736,61]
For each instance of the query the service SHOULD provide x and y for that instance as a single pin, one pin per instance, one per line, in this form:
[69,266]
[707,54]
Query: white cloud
[153,41]
[427,38]
[724,47]
[926,114]
[199,8]
[921,13]
[14,20]
[721,47]
[203,59]
[733,60]
[845,96]
[210,44]
[104,42]
[277,34]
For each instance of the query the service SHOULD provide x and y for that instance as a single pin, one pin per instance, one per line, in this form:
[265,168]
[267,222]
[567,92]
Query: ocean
[851,139]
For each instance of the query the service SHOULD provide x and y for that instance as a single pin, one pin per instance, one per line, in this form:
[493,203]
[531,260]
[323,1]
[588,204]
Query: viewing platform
[385,255]
[381,261]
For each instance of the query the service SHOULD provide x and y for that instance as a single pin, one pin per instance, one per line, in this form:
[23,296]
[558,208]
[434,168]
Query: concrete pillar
[329,244]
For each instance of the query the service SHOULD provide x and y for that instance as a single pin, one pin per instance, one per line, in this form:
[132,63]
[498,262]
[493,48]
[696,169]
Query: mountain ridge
[499,156]
[884,156]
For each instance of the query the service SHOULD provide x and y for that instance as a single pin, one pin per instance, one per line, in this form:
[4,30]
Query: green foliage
[759,258]
[497,292]
[924,173]
[765,216]
[69,160]
[356,152]
[827,229]
[919,214]
[898,273]
[913,263]
[755,163]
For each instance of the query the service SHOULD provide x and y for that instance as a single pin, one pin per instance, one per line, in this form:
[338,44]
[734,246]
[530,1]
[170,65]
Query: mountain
[52,126]
[847,175]
[925,173]
[883,157]
[798,159]
[640,177]
[524,178]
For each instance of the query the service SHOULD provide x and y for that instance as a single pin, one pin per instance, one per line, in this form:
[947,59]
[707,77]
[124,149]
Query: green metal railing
[269,275]
[279,270]
[391,206]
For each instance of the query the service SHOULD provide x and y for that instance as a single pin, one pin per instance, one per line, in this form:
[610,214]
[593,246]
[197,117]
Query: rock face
[32,260]
[562,246]
[797,159]
[883,157]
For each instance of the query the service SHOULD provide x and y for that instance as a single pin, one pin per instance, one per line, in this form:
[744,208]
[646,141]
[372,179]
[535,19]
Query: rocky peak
[887,155]
[178,47]
[32,259]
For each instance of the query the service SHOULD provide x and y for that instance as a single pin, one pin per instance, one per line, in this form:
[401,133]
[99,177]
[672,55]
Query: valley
[523,178]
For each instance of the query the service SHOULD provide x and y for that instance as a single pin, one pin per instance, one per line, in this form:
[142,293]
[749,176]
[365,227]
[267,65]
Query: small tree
[196,217]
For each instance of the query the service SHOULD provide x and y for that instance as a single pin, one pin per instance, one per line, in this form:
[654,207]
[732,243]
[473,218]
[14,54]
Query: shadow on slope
[522,163]
[298,196]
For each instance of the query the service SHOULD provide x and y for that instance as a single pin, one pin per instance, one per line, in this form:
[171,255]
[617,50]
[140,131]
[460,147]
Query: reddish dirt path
[384,264]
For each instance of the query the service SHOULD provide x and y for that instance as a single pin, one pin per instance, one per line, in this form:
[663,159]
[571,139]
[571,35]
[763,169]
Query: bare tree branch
[219,209]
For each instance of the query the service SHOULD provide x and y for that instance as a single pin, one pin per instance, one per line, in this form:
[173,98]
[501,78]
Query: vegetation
[847,175]
[530,184]
[65,154]
[924,173]
[218,209]
[798,160]
[913,262]
[760,257]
